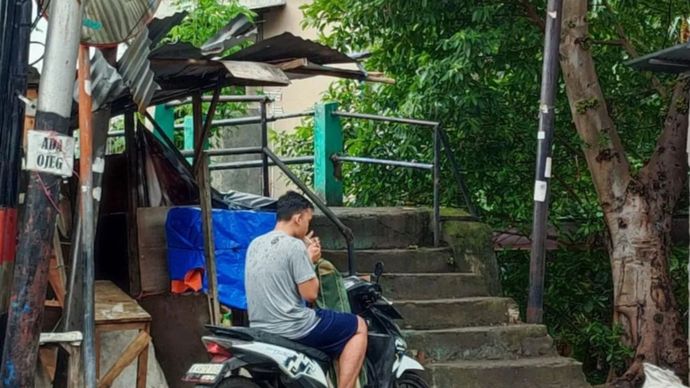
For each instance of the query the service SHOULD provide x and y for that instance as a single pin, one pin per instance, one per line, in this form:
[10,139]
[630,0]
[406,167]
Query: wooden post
[132,205]
[328,140]
[204,181]
[86,214]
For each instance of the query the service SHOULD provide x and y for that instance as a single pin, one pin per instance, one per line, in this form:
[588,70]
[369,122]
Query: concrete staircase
[456,323]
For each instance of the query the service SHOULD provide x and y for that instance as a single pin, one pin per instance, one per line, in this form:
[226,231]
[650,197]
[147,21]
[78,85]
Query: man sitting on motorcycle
[280,278]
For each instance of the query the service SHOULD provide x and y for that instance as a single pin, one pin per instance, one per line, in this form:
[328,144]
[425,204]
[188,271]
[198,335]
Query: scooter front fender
[404,364]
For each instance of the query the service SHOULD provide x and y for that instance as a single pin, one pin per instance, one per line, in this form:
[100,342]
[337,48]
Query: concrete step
[546,372]
[427,286]
[460,312]
[377,228]
[418,260]
[480,343]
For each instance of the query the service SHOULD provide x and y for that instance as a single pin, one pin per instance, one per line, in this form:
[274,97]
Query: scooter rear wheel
[411,380]
[238,382]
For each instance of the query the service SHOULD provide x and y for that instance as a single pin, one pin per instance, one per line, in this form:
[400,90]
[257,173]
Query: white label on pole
[97,193]
[553,14]
[540,191]
[547,168]
[99,165]
[50,152]
[544,108]
[541,135]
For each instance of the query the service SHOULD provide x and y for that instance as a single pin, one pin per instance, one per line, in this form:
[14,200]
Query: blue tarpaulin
[233,230]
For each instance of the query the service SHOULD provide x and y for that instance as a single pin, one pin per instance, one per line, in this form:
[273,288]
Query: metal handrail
[252,119]
[258,163]
[344,230]
[440,140]
[385,162]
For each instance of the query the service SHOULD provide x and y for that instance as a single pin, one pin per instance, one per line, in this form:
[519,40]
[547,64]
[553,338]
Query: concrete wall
[301,94]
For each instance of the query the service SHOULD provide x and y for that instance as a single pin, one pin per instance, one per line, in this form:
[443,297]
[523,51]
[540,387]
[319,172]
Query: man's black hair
[290,204]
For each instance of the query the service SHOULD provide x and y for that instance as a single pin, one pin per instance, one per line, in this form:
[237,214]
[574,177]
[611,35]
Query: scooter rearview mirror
[378,271]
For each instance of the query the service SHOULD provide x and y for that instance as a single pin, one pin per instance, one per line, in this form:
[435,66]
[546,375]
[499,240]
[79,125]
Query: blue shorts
[332,332]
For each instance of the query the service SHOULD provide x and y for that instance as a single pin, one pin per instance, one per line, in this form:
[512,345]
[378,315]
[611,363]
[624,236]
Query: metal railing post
[328,141]
[165,117]
[188,136]
[437,186]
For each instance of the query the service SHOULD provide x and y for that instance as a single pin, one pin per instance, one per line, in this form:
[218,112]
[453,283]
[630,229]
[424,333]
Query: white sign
[50,152]
[540,191]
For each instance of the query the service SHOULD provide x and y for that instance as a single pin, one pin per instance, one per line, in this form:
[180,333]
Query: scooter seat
[250,334]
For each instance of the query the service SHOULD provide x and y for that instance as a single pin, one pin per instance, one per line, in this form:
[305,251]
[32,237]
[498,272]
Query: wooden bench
[116,311]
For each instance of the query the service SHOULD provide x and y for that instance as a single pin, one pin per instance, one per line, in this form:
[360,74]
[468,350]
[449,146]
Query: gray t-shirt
[276,264]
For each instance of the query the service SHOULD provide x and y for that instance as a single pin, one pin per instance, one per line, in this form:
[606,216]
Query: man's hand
[313,246]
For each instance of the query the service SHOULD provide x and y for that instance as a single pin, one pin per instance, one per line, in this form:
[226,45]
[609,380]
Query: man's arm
[309,290]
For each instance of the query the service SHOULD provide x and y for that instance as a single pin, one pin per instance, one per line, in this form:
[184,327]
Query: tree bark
[637,209]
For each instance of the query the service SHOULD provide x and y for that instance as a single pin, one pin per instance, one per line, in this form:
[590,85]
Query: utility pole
[38,221]
[552,39]
[14,52]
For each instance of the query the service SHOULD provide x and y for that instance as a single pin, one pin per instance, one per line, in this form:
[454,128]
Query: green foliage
[475,66]
[577,308]
[205,18]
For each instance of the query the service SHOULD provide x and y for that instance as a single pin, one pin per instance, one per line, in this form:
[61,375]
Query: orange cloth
[193,280]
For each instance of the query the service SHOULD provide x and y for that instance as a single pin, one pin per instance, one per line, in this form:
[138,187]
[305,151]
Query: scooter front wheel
[238,382]
[411,380]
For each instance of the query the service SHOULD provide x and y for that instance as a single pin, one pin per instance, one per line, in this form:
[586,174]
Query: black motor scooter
[250,358]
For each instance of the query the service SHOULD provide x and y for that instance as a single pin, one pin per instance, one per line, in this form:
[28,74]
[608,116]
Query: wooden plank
[256,71]
[143,363]
[302,66]
[114,306]
[132,351]
[69,337]
[153,250]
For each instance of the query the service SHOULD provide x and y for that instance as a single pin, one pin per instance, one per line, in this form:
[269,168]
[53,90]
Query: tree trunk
[638,209]
[643,299]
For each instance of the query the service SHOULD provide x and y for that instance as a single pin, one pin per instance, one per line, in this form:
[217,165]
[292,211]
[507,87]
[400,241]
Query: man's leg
[352,357]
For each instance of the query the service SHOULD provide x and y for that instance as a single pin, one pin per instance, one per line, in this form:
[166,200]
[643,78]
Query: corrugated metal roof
[108,22]
[135,69]
[671,60]
[159,28]
[285,47]
[105,80]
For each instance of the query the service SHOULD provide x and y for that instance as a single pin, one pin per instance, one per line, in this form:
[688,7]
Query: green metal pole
[328,140]
[165,117]
[188,135]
